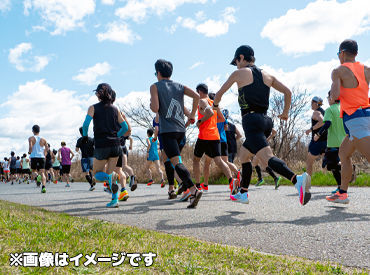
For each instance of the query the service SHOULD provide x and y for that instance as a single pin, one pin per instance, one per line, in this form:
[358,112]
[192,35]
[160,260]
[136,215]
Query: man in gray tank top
[167,99]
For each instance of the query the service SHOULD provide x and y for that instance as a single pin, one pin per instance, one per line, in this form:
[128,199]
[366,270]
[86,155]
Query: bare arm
[273,133]
[91,111]
[72,154]
[225,87]
[131,142]
[220,116]
[280,87]
[320,120]
[128,133]
[186,112]
[238,134]
[59,154]
[335,86]
[30,145]
[148,145]
[154,101]
[205,110]
[190,93]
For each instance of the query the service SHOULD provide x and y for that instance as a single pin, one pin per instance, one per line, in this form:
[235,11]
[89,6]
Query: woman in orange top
[351,86]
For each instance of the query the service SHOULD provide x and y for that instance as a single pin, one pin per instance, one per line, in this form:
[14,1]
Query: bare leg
[345,152]
[207,165]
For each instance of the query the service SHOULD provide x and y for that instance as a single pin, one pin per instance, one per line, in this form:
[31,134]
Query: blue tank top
[221,130]
[153,151]
[37,150]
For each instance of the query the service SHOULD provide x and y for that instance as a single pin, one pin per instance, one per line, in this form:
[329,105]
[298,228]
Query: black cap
[245,50]
[101,86]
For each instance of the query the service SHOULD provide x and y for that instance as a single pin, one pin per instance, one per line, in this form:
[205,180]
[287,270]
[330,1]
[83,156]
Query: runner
[1,171]
[125,167]
[65,155]
[109,126]
[167,99]
[152,157]
[351,86]
[56,166]
[232,136]
[316,148]
[254,92]
[37,151]
[87,157]
[18,169]
[6,169]
[12,166]
[48,164]
[334,129]
[208,141]
[26,168]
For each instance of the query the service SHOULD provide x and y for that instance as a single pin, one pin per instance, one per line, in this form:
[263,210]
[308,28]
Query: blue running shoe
[185,195]
[113,204]
[240,197]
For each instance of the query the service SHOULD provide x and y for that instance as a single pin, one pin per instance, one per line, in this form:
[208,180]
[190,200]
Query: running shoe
[92,188]
[240,197]
[67,185]
[204,187]
[123,196]
[185,195]
[303,186]
[335,191]
[194,199]
[163,183]
[260,182]
[172,195]
[55,181]
[150,182]
[43,189]
[277,182]
[233,186]
[38,183]
[338,198]
[113,204]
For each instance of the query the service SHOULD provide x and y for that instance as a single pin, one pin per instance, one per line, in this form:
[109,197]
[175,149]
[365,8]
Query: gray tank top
[171,106]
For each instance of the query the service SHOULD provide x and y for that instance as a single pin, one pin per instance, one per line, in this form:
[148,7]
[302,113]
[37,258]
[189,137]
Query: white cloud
[195,65]
[35,64]
[138,10]
[118,32]
[5,5]
[89,75]
[64,15]
[318,24]
[59,114]
[210,27]
[108,2]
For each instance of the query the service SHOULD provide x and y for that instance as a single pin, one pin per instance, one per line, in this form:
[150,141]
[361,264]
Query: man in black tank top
[315,148]
[254,91]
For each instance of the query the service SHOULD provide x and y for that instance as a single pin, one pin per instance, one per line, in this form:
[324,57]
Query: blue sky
[54,53]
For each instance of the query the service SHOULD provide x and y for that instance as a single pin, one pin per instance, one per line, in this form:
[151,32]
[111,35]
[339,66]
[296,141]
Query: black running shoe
[133,184]
[172,195]
[194,199]
[181,189]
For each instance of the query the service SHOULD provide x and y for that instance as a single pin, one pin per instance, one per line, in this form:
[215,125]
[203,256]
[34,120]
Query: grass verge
[30,229]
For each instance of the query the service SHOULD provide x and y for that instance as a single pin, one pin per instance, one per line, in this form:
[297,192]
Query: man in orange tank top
[209,138]
[351,86]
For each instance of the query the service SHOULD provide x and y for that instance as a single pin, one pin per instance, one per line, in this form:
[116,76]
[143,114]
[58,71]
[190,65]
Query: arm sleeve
[324,129]
[124,128]
[85,126]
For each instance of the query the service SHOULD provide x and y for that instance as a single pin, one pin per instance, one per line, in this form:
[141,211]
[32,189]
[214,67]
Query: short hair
[24,155]
[164,67]
[55,151]
[105,93]
[349,46]
[212,96]
[12,153]
[203,88]
[150,132]
[18,157]
[63,143]
[36,129]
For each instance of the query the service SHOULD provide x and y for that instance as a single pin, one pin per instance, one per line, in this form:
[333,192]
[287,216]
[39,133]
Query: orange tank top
[352,99]
[208,129]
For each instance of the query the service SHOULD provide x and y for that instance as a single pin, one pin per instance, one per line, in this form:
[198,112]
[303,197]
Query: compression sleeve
[85,126]
[124,128]
[324,128]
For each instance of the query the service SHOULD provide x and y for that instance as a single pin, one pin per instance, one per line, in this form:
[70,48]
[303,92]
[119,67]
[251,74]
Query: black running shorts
[257,128]
[331,158]
[173,143]
[37,163]
[211,148]
[66,169]
[13,171]
[224,149]
[107,152]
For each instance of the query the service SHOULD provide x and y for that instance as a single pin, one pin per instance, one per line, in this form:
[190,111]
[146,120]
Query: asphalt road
[273,221]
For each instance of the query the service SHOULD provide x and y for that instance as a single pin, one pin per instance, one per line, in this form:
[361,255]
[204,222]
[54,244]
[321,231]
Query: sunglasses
[155,73]
[338,53]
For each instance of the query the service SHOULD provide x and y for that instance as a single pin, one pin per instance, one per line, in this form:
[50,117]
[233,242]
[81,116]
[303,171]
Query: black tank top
[106,125]
[48,157]
[313,123]
[254,97]
[13,161]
